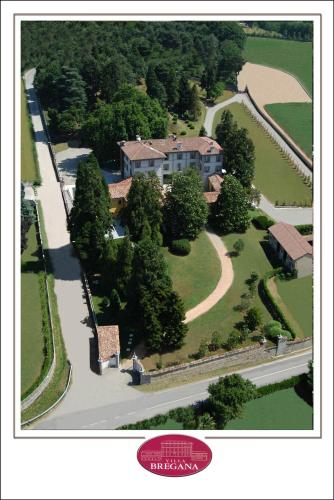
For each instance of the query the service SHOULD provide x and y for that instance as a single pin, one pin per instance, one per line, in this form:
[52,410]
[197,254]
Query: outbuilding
[108,347]
[291,248]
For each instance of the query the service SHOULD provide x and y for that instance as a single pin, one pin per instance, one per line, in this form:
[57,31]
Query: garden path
[224,283]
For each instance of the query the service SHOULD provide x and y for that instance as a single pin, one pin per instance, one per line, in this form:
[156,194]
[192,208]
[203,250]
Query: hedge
[180,247]
[275,310]
[278,386]
[305,228]
[262,222]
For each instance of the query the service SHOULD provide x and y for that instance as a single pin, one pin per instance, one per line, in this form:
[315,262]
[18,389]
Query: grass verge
[295,118]
[275,175]
[29,163]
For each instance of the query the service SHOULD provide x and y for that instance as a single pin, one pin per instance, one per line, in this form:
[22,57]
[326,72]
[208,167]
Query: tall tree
[167,75]
[124,265]
[239,151]
[209,78]
[227,397]
[143,213]
[231,60]
[159,308]
[90,217]
[184,95]
[230,211]
[194,110]
[185,210]
[71,90]
[27,218]
[155,88]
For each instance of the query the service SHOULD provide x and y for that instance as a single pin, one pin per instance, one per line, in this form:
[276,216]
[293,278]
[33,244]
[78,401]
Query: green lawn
[296,119]
[32,342]
[181,125]
[222,317]
[297,297]
[282,410]
[29,167]
[196,275]
[288,55]
[274,176]
[170,425]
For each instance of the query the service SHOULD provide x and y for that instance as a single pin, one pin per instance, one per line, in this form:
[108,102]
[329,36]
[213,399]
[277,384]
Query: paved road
[68,161]
[224,283]
[88,389]
[148,404]
[290,215]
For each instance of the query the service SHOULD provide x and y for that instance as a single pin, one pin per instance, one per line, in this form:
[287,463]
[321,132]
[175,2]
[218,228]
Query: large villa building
[166,156]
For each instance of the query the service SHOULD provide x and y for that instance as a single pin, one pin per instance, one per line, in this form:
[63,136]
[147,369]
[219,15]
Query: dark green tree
[185,95]
[238,246]
[206,422]
[27,218]
[253,318]
[233,340]
[209,78]
[202,132]
[123,266]
[227,398]
[231,60]
[143,214]
[194,110]
[185,210]
[167,75]
[155,88]
[239,151]
[115,304]
[158,307]
[90,218]
[230,212]
[71,90]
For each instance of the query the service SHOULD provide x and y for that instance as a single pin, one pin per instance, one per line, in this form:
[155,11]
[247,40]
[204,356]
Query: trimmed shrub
[270,325]
[305,228]
[183,132]
[286,333]
[285,384]
[180,247]
[262,222]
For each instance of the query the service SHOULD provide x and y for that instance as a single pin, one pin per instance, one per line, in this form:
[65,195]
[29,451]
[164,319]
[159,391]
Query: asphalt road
[147,404]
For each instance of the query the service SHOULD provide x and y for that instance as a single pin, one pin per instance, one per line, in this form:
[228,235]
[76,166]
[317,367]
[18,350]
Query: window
[120,202]
[206,169]
[166,166]
[151,163]
[179,156]
[207,159]
[192,155]
[219,158]
[137,164]
[179,167]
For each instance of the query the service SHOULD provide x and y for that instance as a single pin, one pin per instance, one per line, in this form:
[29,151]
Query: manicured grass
[282,410]
[227,94]
[297,297]
[32,341]
[61,146]
[29,164]
[196,275]
[288,55]
[274,175]
[169,425]
[296,119]
[222,317]
[181,125]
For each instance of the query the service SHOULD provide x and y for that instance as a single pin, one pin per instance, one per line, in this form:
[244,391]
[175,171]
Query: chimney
[178,145]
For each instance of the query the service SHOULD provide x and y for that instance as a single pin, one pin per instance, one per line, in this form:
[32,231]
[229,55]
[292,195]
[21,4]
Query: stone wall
[252,354]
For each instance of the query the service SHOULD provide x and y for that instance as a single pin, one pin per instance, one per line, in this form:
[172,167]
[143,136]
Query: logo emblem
[174,455]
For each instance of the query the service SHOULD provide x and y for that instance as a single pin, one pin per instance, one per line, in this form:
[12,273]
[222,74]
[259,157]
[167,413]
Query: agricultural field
[32,342]
[29,167]
[195,275]
[275,177]
[296,120]
[281,410]
[297,298]
[287,55]
[222,317]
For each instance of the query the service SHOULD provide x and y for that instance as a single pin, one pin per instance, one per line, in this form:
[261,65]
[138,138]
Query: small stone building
[108,347]
[291,248]
[214,186]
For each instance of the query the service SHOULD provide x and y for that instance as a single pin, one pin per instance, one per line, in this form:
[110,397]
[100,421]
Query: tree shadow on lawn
[270,254]
[302,389]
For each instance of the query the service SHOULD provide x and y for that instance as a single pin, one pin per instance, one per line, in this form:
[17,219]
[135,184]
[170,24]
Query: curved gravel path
[223,285]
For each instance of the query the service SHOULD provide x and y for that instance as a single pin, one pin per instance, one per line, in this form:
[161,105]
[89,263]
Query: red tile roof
[157,148]
[291,240]
[108,341]
[211,196]
[120,189]
[215,181]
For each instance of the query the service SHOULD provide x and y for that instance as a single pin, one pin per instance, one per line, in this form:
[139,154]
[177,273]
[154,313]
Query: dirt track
[268,85]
